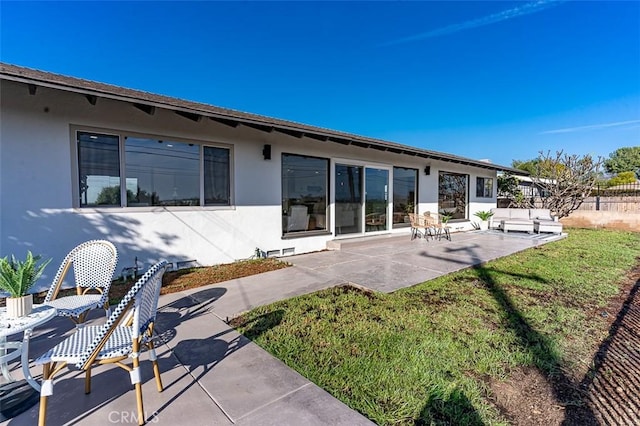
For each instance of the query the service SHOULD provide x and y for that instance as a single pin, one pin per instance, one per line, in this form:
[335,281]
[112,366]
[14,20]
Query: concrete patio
[213,375]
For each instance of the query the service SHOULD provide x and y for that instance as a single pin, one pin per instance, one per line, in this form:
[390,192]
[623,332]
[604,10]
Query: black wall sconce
[427,170]
[266,152]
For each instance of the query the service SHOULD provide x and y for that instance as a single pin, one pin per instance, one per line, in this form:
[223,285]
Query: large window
[305,184]
[452,195]
[405,183]
[484,187]
[156,172]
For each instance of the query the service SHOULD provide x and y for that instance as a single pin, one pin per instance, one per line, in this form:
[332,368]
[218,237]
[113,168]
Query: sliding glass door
[348,211]
[376,203]
[361,199]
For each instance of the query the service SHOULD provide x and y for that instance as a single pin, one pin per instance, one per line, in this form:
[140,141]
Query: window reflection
[452,195]
[99,170]
[304,193]
[162,173]
[404,195]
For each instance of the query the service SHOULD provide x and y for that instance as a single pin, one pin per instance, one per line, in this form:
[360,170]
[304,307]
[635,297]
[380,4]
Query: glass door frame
[332,195]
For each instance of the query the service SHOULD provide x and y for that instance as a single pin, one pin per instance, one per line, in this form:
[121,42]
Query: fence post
[598,197]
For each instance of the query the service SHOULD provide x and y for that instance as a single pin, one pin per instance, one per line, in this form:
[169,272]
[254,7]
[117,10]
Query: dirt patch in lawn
[606,392]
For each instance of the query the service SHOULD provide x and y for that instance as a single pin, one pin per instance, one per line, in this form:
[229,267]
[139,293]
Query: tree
[528,166]
[622,178]
[564,181]
[624,160]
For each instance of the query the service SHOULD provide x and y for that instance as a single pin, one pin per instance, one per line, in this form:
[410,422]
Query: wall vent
[273,253]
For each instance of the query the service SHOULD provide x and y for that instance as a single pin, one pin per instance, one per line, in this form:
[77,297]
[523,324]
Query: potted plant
[16,278]
[409,208]
[484,216]
[445,218]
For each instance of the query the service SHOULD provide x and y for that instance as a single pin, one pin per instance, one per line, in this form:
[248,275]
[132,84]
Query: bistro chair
[122,336]
[440,229]
[419,226]
[93,263]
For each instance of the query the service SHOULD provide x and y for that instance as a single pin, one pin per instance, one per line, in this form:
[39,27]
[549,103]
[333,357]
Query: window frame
[311,232]
[467,194]
[415,195]
[484,187]
[74,130]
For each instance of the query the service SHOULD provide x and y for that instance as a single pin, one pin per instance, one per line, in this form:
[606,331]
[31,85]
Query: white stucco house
[166,178]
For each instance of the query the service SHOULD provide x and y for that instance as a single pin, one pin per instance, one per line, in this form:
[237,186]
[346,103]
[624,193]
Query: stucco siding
[38,174]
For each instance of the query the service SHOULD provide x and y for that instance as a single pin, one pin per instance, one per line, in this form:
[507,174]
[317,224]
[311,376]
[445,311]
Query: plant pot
[19,306]
[484,225]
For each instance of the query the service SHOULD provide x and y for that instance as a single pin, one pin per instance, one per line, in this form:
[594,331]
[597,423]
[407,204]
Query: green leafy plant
[445,217]
[483,214]
[17,277]
[410,208]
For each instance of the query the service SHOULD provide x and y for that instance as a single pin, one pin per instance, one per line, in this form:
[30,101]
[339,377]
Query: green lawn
[422,355]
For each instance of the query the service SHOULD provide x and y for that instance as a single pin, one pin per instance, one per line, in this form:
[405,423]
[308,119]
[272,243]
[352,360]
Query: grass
[424,355]
[184,279]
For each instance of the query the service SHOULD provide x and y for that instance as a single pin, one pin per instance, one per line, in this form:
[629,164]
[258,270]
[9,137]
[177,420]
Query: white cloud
[515,12]
[591,127]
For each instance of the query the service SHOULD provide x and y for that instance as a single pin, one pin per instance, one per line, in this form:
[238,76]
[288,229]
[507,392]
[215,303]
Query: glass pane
[479,187]
[216,176]
[99,169]
[404,195]
[377,199]
[488,187]
[348,199]
[304,193]
[162,173]
[452,195]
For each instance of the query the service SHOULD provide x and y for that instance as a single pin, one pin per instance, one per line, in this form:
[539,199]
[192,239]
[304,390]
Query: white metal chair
[121,337]
[94,263]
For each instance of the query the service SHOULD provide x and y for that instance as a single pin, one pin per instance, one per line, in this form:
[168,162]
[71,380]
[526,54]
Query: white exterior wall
[37,177]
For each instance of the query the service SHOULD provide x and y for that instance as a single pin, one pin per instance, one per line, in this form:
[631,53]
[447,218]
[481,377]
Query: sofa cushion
[518,221]
[542,214]
[519,214]
[500,213]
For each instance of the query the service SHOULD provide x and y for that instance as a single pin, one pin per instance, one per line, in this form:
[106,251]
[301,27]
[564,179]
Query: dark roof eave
[89,88]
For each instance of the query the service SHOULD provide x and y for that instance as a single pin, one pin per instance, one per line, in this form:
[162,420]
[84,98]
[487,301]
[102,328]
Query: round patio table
[17,396]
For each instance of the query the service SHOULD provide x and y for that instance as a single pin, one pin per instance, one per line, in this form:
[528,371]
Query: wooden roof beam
[190,115]
[32,89]
[260,127]
[149,109]
[225,121]
[294,133]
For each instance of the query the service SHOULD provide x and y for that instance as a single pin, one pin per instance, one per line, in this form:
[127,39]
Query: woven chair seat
[72,349]
[74,306]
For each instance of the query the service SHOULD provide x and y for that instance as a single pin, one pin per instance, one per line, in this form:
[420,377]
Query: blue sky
[495,80]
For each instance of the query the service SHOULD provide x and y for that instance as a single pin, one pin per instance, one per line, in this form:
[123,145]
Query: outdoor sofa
[525,220]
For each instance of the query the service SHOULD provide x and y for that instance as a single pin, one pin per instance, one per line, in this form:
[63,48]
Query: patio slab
[213,375]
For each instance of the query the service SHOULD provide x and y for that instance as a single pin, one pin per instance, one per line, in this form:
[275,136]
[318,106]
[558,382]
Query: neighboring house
[530,188]
[166,178]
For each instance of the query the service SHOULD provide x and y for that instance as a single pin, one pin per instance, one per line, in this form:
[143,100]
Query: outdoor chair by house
[435,224]
[93,263]
[298,219]
[128,329]
[419,226]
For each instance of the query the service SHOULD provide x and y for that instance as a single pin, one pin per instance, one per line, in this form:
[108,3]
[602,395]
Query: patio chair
[419,226]
[121,337]
[94,263]
[440,229]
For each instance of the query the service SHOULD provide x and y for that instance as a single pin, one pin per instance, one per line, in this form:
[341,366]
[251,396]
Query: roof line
[92,88]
